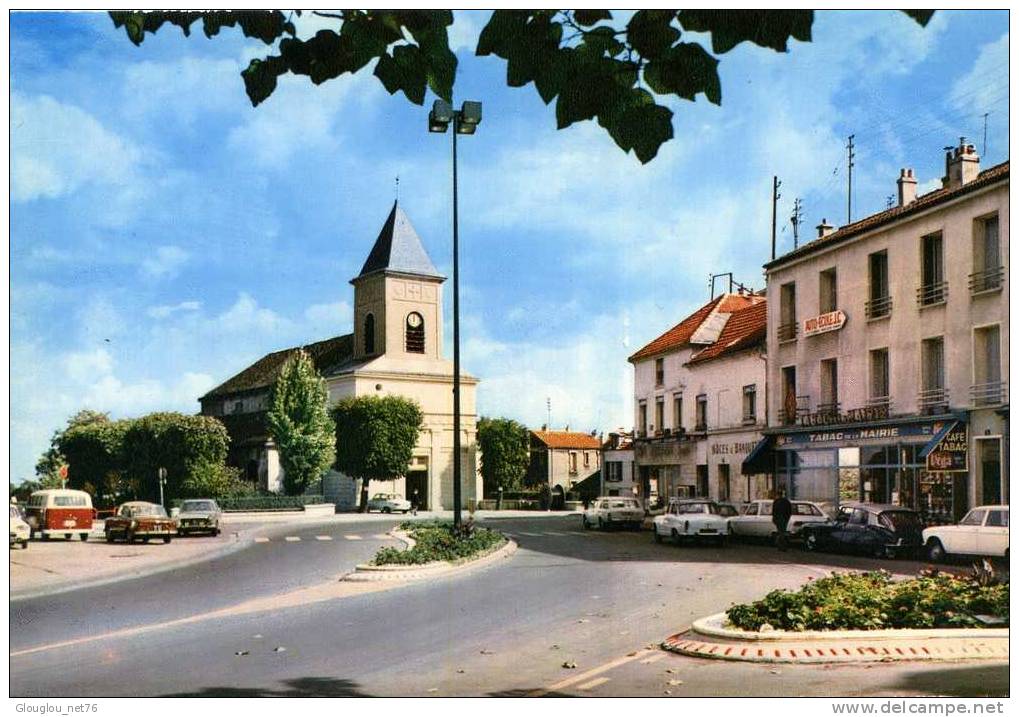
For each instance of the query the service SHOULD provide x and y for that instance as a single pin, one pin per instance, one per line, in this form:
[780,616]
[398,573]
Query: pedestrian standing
[781,511]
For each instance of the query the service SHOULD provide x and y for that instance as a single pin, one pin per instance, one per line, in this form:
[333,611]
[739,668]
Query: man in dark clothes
[781,511]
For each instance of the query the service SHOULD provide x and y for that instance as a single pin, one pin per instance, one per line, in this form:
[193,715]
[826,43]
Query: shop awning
[759,460]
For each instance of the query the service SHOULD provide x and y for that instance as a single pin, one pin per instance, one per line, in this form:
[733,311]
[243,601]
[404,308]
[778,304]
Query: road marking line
[261,540]
[531,535]
[323,537]
[382,536]
[292,539]
[594,683]
[591,673]
[552,532]
[352,537]
[653,658]
[578,532]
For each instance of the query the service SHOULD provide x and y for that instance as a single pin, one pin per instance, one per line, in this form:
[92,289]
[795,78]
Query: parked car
[608,511]
[983,531]
[389,503]
[755,519]
[20,532]
[198,515]
[56,511]
[140,520]
[728,510]
[883,531]
[692,519]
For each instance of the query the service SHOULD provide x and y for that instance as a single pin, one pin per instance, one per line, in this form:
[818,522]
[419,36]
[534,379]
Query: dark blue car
[883,531]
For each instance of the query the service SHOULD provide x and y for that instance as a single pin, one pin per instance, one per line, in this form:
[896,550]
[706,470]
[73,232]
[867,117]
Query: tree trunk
[364,495]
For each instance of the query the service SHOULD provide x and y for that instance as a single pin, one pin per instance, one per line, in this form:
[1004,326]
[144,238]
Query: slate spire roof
[398,249]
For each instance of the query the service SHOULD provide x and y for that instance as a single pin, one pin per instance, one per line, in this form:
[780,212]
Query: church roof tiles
[399,249]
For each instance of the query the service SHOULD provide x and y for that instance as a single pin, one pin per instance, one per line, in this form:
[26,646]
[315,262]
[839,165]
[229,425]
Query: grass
[437,540]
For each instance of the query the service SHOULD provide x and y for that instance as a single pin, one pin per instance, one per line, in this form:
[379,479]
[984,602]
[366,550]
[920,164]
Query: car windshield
[727,510]
[137,511]
[623,504]
[70,501]
[195,506]
[900,520]
[974,517]
[698,508]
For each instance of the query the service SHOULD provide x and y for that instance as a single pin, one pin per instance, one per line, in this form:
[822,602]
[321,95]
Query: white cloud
[165,263]
[467,24]
[83,366]
[165,310]
[326,320]
[58,148]
[987,80]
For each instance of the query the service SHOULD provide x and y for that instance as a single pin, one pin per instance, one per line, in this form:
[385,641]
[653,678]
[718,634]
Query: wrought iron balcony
[989,394]
[986,280]
[930,294]
[878,308]
[879,402]
[787,332]
[933,400]
[828,409]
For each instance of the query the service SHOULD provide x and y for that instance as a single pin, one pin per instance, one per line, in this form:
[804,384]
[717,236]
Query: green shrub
[438,540]
[873,601]
[263,502]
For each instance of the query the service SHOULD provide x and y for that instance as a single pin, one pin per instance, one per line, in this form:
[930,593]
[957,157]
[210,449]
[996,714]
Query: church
[395,349]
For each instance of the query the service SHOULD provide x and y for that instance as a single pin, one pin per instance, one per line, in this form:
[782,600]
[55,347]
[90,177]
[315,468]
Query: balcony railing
[828,409]
[930,294]
[988,394]
[878,308]
[785,418]
[933,400]
[986,280]
[787,332]
[879,402]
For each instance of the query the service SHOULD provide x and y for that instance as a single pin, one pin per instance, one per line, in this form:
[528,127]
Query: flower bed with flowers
[873,601]
[440,540]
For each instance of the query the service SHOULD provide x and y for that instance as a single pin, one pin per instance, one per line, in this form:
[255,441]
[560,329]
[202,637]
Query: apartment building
[563,460]
[699,404]
[618,473]
[888,350]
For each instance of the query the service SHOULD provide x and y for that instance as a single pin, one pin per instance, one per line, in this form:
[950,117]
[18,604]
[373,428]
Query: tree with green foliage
[300,425]
[186,446]
[50,465]
[375,438]
[594,67]
[504,453]
[95,460]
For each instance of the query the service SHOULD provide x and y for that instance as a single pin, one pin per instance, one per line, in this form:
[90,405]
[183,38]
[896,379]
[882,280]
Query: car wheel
[675,536]
[387,510]
[935,551]
[145,539]
[24,545]
[601,525]
[166,539]
[83,537]
[129,536]
[109,536]
[883,552]
[216,531]
[587,524]
[45,536]
[810,543]
[68,536]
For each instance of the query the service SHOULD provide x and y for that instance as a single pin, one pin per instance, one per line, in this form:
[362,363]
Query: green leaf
[260,78]
[767,28]
[922,17]
[587,18]
[636,123]
[502,29]
[685,70]
[651,33]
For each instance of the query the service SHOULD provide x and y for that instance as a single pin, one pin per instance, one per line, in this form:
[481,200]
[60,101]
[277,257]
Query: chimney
[824,229]
[962,165]
[907,187]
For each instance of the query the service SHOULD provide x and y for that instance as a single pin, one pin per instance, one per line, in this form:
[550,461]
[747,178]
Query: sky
[165,234]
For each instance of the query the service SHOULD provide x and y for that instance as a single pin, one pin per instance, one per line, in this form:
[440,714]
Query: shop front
[727,458]
[916,462]
[670,468]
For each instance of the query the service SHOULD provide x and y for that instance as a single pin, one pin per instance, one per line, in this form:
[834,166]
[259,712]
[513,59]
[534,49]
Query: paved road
[592,599]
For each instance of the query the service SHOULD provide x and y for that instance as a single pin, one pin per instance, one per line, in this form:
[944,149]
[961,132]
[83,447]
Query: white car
[755,519]
[697,519]
[605,512]
[983,531]
[20,531]
[389,503]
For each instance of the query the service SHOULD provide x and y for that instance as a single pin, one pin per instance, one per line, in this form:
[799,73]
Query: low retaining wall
[377,573]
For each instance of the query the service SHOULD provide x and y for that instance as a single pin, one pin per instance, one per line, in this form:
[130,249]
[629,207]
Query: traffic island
[426,542]
[861,617]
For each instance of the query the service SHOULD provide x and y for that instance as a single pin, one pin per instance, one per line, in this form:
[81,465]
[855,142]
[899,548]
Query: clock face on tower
[414,320]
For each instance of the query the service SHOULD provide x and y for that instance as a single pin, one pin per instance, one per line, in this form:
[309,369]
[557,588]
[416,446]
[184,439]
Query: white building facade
[699,404]
[888,350]
[619,472]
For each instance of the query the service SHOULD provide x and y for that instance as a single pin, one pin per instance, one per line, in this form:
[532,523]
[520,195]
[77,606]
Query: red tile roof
[680,334]
[744,329]
[931,199]
[567,439]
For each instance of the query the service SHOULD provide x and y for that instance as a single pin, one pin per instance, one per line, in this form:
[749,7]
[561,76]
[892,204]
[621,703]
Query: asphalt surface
[573,612]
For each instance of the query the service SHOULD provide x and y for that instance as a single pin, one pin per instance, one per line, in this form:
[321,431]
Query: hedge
[263,503]
[438,540]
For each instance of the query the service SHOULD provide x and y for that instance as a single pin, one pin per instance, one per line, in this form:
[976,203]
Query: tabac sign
[950,455]
[831,321]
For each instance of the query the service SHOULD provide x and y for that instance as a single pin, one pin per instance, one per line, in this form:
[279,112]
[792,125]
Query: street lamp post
[464,121]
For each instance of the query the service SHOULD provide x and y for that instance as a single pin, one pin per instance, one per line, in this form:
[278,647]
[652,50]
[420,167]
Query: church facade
[395,349]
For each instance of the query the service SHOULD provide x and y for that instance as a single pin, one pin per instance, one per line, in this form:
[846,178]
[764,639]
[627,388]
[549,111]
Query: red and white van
[60,512]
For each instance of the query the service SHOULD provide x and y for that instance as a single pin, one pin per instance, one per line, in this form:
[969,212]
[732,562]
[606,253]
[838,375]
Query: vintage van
[60,512]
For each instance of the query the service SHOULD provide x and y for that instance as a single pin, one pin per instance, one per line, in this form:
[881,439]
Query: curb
[410,573]
[708,638]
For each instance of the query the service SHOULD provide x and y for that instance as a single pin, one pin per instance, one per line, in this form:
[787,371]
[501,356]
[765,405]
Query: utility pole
[852,156]
[775,184]
[796,219]
[984,150]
